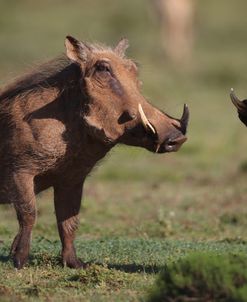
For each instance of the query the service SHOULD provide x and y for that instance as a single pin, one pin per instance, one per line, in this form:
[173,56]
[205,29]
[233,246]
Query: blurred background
[198,192]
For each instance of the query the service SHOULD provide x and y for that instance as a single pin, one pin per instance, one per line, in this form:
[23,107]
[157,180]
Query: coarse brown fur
[58,121]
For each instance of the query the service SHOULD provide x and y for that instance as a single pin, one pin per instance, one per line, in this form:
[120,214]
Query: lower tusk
[145,121]
[157,148]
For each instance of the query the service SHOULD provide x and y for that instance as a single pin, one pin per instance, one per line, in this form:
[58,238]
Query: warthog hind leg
[22,195]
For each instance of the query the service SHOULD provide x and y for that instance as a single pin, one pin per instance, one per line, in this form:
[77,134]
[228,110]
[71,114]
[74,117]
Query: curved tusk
[186,114]
[236,101]
[147,125]
[185,119]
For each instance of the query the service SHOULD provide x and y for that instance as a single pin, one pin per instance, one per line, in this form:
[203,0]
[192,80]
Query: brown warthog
[241,107]
[57,122]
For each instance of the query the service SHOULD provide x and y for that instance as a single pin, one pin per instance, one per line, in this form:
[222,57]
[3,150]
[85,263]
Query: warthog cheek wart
[116,87]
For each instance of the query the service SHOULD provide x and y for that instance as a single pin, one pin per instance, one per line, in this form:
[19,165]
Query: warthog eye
[102,66]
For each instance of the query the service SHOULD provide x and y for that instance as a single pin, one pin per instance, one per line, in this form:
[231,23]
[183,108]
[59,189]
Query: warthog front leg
[22,195]
[67,201]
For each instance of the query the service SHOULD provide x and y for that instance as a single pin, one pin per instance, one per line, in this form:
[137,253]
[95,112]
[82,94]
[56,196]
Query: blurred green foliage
[203,277]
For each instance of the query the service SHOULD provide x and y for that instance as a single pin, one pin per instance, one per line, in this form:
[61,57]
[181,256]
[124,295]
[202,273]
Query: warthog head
[115,110]
[241,107]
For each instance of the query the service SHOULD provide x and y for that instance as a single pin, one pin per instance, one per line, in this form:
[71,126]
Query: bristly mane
[52,73]
[58,72]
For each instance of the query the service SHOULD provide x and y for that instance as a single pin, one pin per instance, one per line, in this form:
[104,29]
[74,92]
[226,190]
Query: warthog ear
[121,47]
[77,51]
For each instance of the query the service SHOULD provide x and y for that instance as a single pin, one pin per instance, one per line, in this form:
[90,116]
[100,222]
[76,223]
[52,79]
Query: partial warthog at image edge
[58,121]
[241,107]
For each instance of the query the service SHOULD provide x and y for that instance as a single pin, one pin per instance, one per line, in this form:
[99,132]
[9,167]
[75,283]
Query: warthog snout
[167,133]
[178,138]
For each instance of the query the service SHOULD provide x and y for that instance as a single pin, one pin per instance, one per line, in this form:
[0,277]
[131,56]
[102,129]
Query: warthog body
[57,122]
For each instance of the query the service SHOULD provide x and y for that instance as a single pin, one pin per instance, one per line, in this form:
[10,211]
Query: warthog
[57,122]
[241,107]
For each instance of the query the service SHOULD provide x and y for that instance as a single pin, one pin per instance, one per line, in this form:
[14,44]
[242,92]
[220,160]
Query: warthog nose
[174,144]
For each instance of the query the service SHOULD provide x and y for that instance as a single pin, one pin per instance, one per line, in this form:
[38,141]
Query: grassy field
[140,210]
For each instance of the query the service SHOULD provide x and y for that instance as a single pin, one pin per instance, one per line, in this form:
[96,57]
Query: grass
[118,268]
[140,211]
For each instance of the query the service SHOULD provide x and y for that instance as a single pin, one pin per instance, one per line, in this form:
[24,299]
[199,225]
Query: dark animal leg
[67,205]
[22,195]
[14,244]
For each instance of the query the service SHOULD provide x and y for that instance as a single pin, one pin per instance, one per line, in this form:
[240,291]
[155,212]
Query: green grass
[118,268]
[140,211]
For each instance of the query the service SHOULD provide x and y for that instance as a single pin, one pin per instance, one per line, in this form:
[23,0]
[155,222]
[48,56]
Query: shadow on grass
[57,262]
[4,253]
[135,268]
[4,258]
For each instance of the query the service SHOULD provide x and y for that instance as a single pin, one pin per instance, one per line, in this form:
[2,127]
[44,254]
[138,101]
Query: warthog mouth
[171,145]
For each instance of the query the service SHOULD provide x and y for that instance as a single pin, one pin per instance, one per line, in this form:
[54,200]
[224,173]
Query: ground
[140,210]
